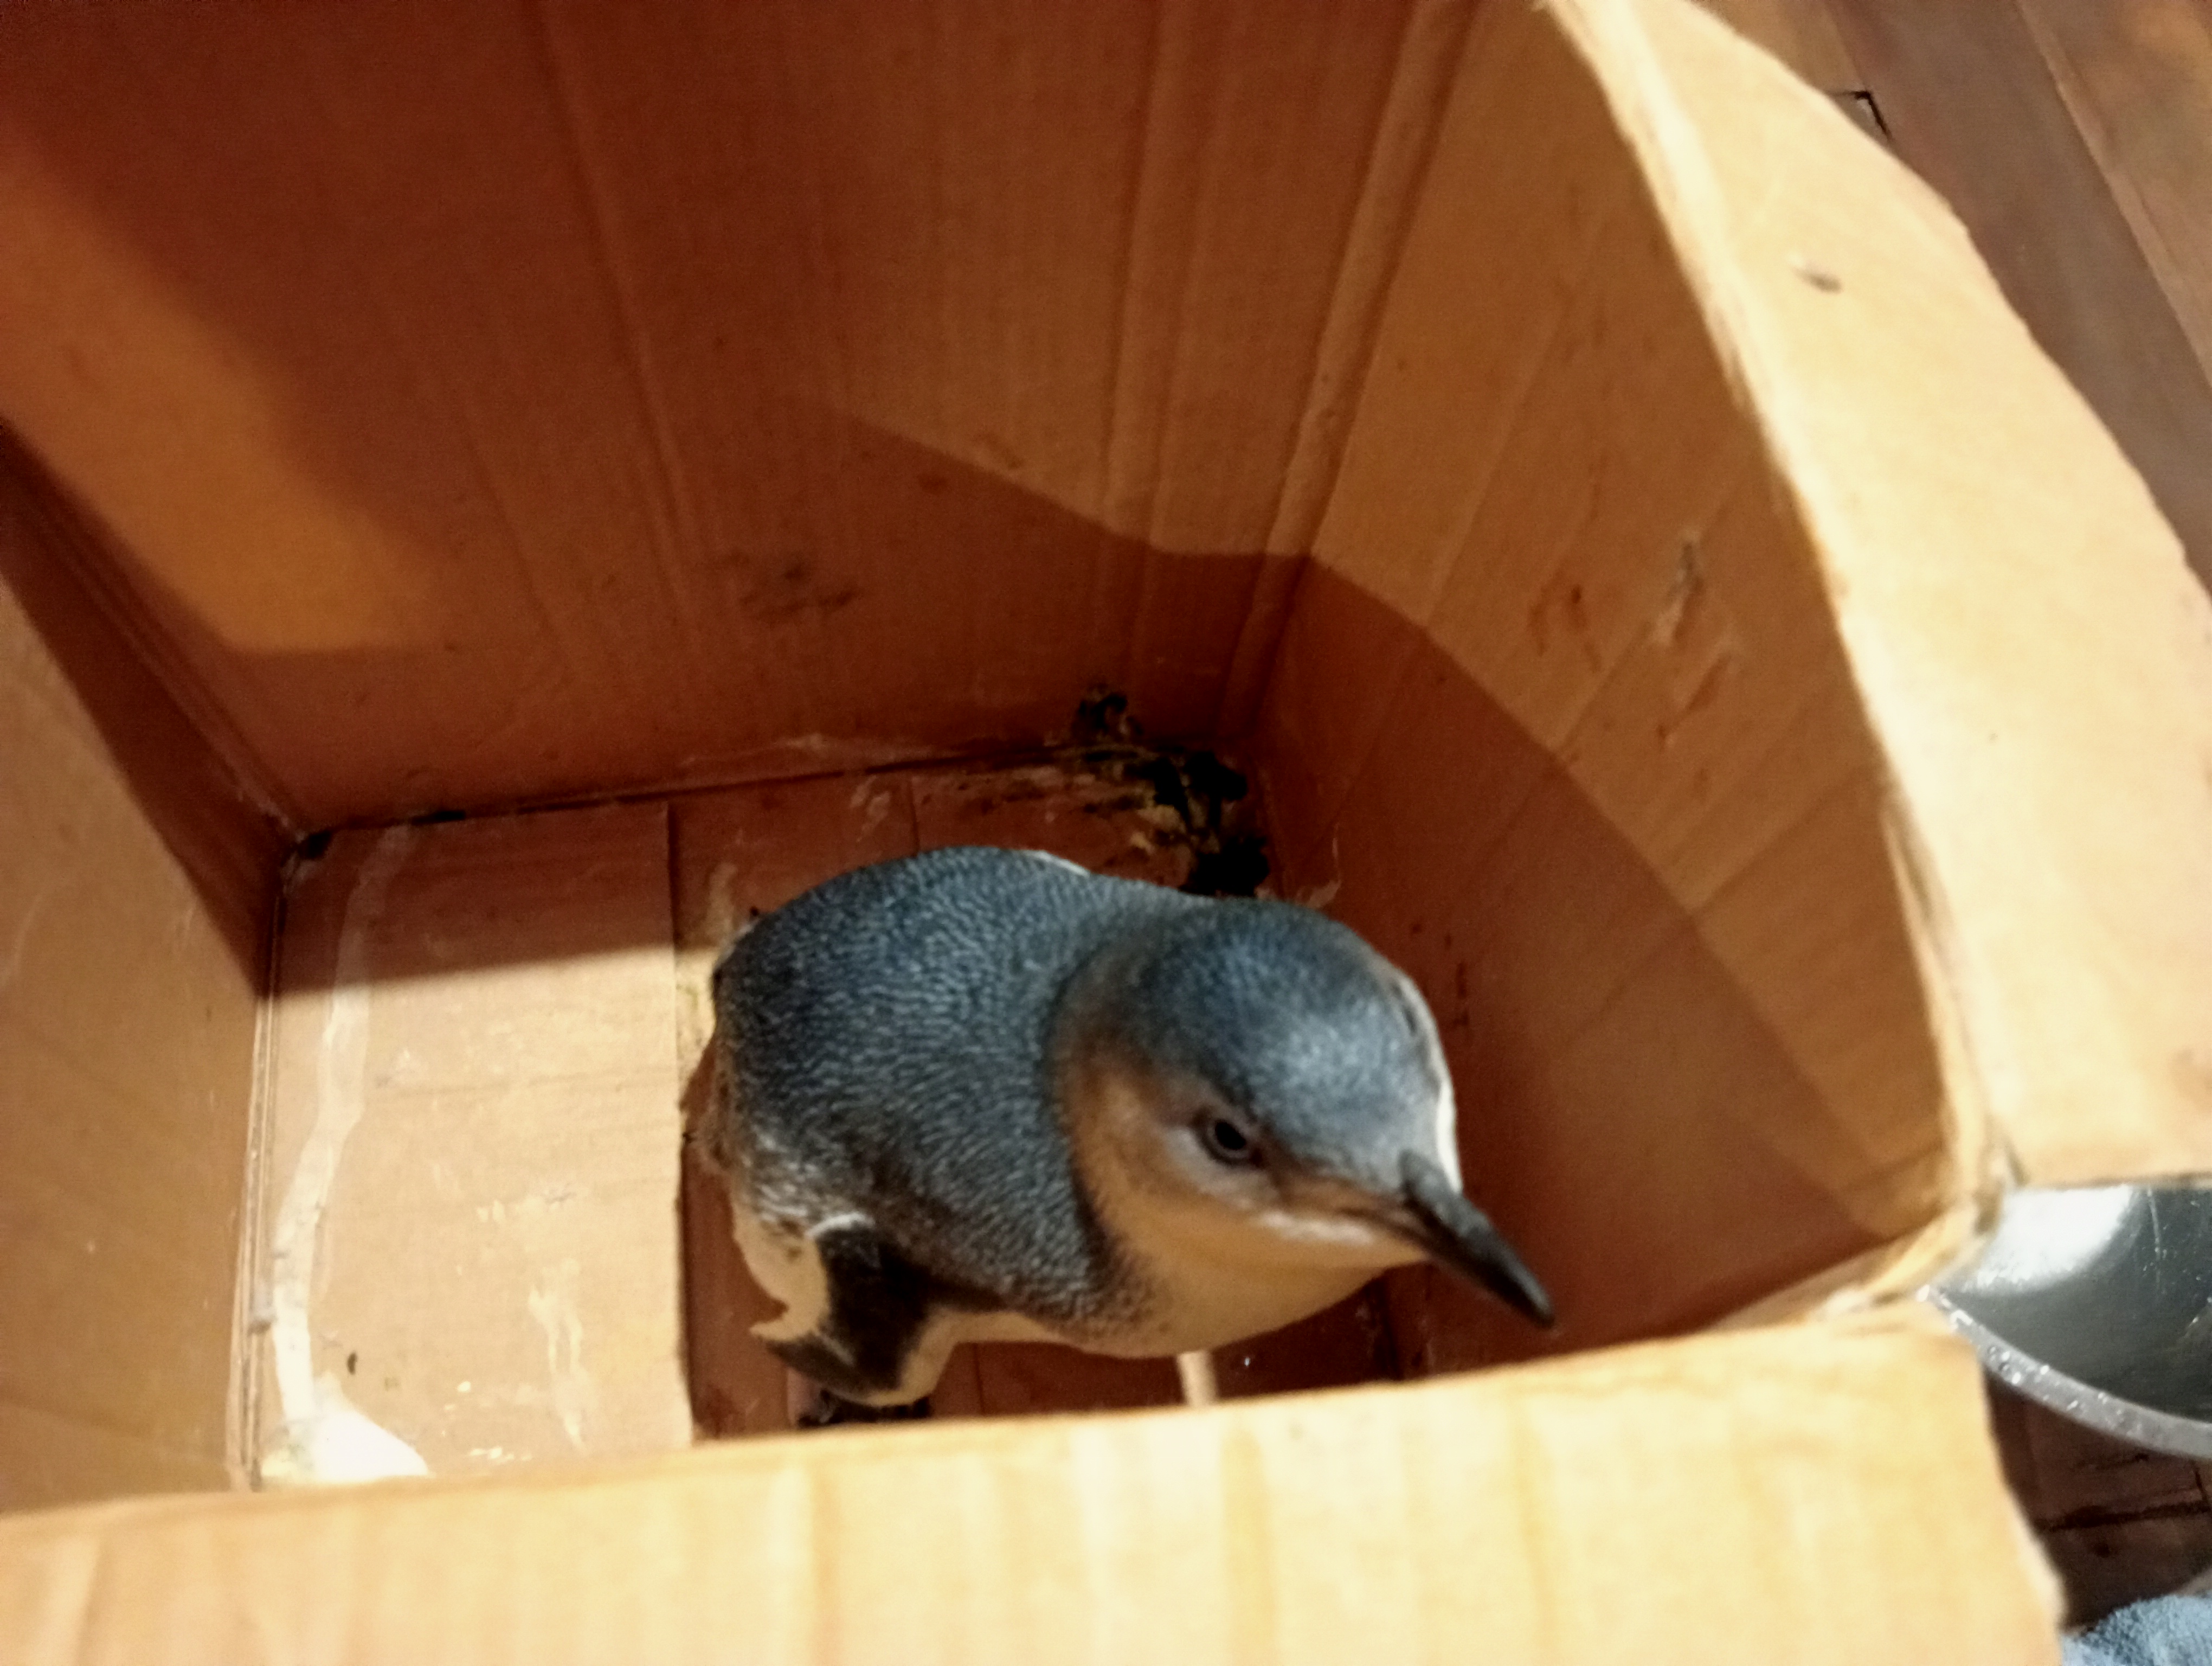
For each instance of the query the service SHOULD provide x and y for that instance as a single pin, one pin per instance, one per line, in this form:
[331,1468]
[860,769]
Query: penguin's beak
[1459,1237]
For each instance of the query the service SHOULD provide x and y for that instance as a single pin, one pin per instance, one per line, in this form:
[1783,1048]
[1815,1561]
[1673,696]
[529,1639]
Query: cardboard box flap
[1562,722]
[2065,933]
[1820,1495]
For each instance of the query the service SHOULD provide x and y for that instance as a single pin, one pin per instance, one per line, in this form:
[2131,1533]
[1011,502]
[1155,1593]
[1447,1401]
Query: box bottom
[478,1237]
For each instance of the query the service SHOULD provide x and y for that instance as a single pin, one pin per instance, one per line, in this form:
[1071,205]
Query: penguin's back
[887,1039]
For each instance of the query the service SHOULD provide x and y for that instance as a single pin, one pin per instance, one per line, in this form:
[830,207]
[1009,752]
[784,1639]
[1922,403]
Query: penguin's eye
[1227,1143]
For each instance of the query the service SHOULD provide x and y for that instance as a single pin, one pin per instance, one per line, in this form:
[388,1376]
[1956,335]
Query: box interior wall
[1327,381]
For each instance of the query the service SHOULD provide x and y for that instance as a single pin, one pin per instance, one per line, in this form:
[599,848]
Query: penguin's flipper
[880,1339]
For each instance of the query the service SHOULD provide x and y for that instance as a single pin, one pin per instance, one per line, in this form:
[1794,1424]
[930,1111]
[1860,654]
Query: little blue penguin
[982,1095]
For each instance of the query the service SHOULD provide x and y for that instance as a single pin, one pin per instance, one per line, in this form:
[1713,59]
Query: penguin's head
[1259,1084]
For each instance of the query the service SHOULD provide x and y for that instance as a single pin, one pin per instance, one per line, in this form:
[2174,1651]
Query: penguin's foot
[813,1407]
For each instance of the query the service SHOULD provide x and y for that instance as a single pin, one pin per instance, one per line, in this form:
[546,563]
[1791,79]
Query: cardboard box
[1660,594]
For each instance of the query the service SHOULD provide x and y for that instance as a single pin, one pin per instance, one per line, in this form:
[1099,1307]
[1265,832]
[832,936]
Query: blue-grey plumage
[982,1094]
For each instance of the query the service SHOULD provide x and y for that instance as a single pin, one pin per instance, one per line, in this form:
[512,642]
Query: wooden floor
[2075,139]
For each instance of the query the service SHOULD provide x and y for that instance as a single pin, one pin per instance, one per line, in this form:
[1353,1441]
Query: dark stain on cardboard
[1461,1016]
[1564,603]
[1208,800]
[1702,695]
[1815,275]
[782,588]
[1102,716]
[1683,592]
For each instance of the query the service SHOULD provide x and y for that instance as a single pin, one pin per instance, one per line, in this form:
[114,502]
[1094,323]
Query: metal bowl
[2097,1302]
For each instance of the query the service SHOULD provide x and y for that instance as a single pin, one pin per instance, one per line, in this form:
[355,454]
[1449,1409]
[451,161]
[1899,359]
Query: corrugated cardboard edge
[1819,1495]
[2069,1012]
[251,1315]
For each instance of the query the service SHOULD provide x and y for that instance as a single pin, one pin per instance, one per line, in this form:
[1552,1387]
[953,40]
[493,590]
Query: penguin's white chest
[1207,1279]
[1194,1303]
[786,1263]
